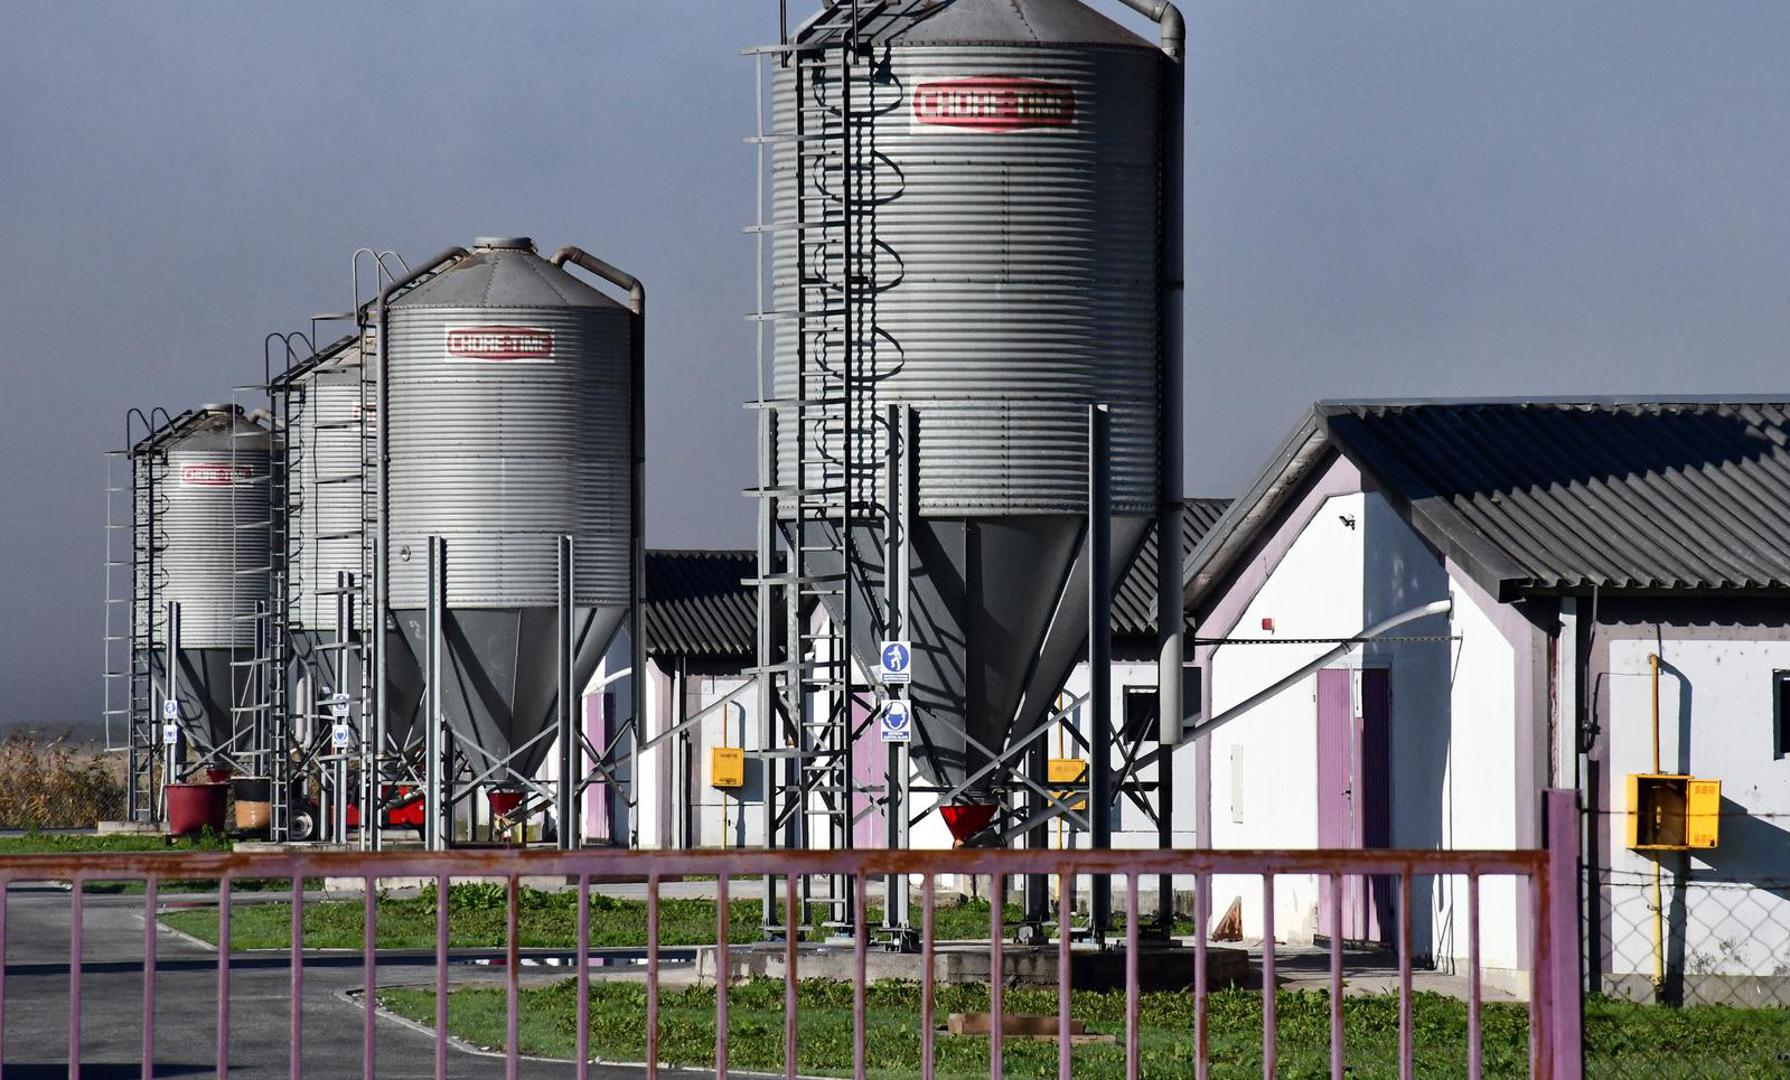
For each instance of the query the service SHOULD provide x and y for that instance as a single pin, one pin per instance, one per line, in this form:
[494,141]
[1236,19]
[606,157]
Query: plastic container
[254,803]
[193,808]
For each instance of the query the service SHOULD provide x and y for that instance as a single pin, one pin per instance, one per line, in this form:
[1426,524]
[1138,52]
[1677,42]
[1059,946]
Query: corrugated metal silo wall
[326,461]
[1016,277]
[500,457]
[213,523]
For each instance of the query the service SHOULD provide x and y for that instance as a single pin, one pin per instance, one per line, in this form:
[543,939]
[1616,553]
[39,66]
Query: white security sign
[338,706]
[170,734]
[897,723]
[895,663]
[341,736]
[171,709]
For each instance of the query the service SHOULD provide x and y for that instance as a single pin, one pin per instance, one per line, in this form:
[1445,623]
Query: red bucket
[219,776]
[193,808]
[967,819]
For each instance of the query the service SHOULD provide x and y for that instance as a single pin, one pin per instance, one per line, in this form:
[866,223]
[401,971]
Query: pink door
[869,762]
[1354,810]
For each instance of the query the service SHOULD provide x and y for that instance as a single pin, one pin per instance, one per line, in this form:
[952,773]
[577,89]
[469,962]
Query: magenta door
[868,765]
[1354,810]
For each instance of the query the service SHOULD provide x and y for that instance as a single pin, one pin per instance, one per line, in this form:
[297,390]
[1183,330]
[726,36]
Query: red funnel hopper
[967,819]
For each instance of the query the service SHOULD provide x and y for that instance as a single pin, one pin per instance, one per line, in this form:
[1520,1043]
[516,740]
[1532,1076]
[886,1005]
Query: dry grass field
[49,782]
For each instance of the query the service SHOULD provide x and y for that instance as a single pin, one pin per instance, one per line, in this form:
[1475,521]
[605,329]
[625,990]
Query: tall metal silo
[511,419]
[211,484]
[976,282]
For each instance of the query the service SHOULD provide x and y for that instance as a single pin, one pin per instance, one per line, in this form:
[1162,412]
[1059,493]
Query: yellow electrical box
[1069,771]
[727,767]
[1668,812]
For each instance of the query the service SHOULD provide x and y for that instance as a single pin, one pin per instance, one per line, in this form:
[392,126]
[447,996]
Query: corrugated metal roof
[696,606]
[1134,601]
[1567,495]
[982,22]
[1555,495]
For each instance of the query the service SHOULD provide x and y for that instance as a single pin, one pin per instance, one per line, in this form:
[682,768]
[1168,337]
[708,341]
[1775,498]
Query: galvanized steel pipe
[1168,17]
[637,476]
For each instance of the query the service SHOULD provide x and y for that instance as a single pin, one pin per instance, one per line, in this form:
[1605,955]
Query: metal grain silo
[996,175]
[212,561]
[512,421]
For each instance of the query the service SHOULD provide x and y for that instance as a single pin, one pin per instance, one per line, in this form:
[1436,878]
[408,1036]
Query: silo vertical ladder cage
[827,503]
[133,583]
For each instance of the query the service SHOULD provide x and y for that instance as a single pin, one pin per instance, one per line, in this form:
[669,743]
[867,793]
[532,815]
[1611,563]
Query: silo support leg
[565,791]
[1100,802]
[436,811]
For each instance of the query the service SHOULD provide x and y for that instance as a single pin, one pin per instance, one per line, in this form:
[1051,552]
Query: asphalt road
[36,1025]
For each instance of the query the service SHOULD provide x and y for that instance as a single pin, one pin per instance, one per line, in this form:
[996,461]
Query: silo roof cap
[993,22]
[503,273]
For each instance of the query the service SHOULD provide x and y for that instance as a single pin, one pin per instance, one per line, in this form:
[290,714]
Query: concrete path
[37,1005]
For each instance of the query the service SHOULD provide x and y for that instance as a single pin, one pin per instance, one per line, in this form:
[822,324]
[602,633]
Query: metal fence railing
[1547,876]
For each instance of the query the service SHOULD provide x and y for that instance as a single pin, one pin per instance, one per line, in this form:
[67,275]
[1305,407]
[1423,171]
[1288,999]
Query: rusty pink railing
[1551,872]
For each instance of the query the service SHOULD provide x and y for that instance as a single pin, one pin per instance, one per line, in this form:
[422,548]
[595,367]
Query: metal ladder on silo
[831,493]
[287,504]
[131,582]
[285,451]
[252,682]
[351,647]
[146,617]
[373,759]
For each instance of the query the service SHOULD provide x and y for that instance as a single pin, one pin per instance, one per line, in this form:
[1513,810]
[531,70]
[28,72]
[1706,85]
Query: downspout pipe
[1170,524]
[637,479]
[382,579]
[1168,17]
[1379,629]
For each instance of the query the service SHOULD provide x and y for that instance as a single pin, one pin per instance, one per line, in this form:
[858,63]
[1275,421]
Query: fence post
[1566,1049]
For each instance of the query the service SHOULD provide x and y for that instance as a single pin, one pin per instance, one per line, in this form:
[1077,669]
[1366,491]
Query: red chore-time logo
[499,343]
[215,474]
[994,103]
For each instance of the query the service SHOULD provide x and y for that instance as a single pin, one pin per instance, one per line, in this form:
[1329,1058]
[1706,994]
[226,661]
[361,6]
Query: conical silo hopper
[212,561]
[1008,162]
[511,406]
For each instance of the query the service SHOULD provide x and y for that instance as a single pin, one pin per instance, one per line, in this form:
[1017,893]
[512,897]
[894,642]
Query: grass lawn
[92,844]
[476,919]
[1623,1040]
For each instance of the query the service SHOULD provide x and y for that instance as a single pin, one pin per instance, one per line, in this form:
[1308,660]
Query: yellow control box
[1069,771]
[727,767]
[1673,812]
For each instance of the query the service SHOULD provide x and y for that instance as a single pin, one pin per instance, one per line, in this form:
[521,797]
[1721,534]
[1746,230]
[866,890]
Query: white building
[1572,542]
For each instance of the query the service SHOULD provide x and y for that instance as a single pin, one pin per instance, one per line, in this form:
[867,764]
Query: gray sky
[1386,198]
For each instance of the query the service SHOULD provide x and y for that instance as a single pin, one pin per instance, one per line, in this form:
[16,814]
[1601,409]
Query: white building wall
[1452,781]
[1478,803]
[1727,910]
[1264,764]
[726,817]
